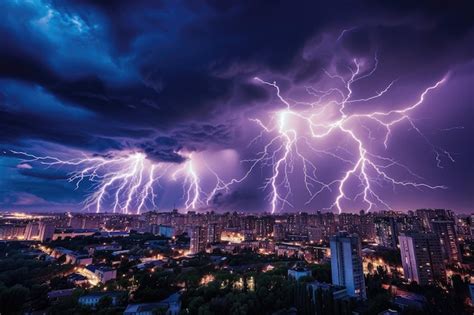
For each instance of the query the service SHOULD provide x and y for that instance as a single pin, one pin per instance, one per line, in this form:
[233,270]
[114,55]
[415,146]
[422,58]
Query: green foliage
[321,272]
[12,299]
[104,302]
[67,305]
[272,292]
[379,303]
[154,286]
[23,279]
[160,311]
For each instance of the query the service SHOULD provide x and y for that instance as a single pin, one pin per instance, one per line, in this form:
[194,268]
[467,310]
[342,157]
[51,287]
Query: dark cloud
[167,77]
[186,139]
[44,174]
[164,68]
[164,149]
[239,200]
[22,199]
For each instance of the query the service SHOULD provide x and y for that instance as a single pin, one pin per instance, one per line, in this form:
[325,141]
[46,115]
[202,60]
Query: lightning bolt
[193,193]
[125,181]
[290,137]
[296,130]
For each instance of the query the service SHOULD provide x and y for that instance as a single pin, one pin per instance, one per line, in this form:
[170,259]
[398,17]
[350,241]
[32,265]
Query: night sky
[175,80]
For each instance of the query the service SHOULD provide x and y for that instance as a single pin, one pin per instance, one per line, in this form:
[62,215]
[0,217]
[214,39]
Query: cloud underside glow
[291,139]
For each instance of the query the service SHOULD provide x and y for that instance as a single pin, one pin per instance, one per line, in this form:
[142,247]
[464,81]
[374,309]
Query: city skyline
[129,108]
[318,263]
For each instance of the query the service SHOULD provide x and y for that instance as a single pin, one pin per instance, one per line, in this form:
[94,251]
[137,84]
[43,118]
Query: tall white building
[346,264]
[46,231]
[422,257]
[32,231]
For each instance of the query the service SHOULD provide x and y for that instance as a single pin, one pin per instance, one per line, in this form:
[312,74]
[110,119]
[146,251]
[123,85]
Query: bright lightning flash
[300,126]
[125,182]
[191,183]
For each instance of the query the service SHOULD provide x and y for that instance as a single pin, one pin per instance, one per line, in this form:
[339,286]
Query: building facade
[446,232]
[198,238]
[422,257]
[346,264]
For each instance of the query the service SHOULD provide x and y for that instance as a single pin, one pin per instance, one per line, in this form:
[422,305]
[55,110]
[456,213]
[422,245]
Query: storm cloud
[167,77]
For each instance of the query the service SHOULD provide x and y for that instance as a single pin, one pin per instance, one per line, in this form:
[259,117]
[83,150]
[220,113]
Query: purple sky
[175,81]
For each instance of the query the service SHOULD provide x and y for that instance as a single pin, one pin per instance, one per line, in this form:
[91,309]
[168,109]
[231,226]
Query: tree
[104,302]
[160,311]
[378,303]
[370,267]
[61,260]
[12,299]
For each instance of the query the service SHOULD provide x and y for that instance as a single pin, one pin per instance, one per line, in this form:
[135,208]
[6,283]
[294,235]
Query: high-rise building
[198,237]
[213,233]
[297,223]
[75,221]
[446,232]
[12,232]
[422,258]
[264,226]
[84,221]
[349,222]
[386,230]
[162,230]
[427,216]
[32,231]
[367,226]
[444,214]
[346,264]
[178,222]
[247,222]
[323,298]
[291,224]
[463,227]
[329,223]
[46,231]
[279,232]
[315,234]
[91,222]
[234,220]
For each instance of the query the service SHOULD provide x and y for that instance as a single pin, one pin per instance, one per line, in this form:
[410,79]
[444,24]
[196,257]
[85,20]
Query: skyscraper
[264,226]
[367,226]
[279,232]
[213,233]
[386,229]
[346,264]
[446,232]
[32,231]
[428,215]
[75,221]
[46,231]
[422,258]
[198,237]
